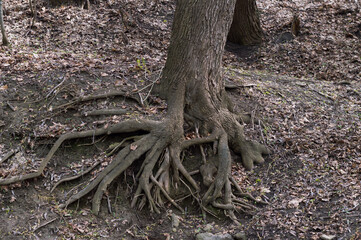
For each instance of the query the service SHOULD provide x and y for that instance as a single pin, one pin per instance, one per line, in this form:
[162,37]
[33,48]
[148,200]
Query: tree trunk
[193,84]
[246,28]
[5,40]
[192,76]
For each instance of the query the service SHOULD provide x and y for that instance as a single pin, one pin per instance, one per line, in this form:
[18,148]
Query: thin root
[75,177]
[112,93]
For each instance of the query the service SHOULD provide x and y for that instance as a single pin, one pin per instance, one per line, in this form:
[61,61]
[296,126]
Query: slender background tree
[5,40]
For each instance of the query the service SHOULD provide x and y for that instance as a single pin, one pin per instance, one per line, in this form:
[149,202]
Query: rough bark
[195,57]
[5,41]
[192,81]
[194,67]
[246,28]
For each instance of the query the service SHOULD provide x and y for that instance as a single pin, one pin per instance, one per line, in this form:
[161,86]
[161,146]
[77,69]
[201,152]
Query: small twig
[352,209]
[75,177]
[44,224]
[261,130]
[56,87]
[128,230]
[182,198]
[11,106]
[70,191]
[253,117]
[117,191]
[33,13]
[193,172]
[31,7]
[141,99]
[77,205]
[281,95]
[152,84]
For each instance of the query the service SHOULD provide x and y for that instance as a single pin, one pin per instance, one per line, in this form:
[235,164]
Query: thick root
[122,127]
[251,153]
[164,146]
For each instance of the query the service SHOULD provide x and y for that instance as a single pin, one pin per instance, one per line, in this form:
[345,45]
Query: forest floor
[307,91]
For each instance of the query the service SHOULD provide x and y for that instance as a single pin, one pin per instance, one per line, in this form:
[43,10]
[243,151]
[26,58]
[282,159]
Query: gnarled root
[163,143]
[123,127]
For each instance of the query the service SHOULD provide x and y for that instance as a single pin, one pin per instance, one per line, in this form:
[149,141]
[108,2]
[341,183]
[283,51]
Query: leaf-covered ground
[306,91]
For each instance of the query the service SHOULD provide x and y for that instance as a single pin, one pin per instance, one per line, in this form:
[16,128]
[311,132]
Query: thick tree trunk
[193,85]
[193,66]
[192,77]
[4,38]
[246,28]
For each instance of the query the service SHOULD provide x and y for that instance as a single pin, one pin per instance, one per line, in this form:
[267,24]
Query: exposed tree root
[162,168]
[112,93]
[107,112]
[123,127]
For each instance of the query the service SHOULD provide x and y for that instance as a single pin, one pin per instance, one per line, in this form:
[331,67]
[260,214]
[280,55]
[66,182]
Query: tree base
[162,168]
